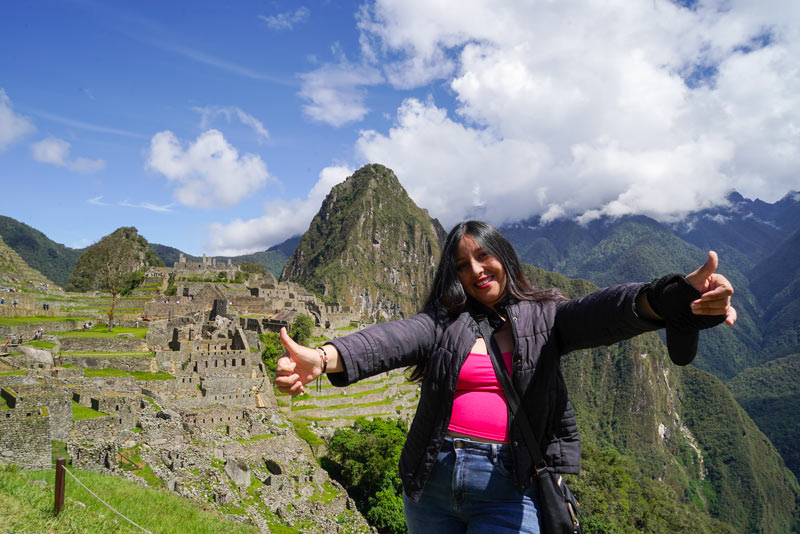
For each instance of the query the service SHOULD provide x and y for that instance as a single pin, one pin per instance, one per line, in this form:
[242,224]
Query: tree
[302,329]
[364,460]
[255,268]
[273,349]
[116,259]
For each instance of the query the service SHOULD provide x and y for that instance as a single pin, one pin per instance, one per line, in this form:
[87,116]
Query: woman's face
[481,274]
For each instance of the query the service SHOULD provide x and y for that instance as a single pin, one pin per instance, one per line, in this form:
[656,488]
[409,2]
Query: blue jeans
[471,490]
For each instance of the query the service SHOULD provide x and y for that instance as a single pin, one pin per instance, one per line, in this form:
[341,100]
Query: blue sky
[219,127]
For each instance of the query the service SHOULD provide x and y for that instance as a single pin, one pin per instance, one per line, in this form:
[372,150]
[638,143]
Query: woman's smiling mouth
[483,282]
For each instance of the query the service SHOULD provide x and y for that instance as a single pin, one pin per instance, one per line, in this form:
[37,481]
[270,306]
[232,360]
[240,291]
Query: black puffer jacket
[543,332]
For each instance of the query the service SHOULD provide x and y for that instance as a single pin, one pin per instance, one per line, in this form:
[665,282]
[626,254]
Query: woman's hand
[298,366]
[715,291]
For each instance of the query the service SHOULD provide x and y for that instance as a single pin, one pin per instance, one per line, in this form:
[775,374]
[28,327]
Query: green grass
[59,450]
[343,417]
[303,430]
[100,354]
[328,493]
[256,438]
[28,508]
[40,344]
[38,319]
[101,331]
[13,373]
[137,375]
[129,460]
[79,411]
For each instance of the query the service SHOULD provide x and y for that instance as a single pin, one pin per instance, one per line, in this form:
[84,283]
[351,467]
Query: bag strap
[518,413]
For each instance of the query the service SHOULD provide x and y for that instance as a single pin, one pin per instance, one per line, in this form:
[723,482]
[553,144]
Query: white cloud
[209,171]
[97,201]
[280,220]
[335,92]
[588,109]
[209,113]
[286,21]
[12,125]
[55,151]
[162,208]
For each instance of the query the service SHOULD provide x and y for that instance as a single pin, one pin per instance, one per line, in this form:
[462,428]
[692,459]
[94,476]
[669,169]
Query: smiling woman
[463,467]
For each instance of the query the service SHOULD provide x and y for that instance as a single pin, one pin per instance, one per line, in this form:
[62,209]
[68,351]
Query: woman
[464,465]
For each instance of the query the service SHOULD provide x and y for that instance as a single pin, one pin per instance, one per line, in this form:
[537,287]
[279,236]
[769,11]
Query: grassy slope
[26,506]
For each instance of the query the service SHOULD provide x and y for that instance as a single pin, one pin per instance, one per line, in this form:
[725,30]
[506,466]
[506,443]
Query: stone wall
[125,409]
[14,380]
[214,416]
[248,304]
[81,344]
[126,363]
[25,437]
[233,363]
[172,362]
[28,329]
[184,386]
[58,402]
[92,455]
[99,428]
[161,310]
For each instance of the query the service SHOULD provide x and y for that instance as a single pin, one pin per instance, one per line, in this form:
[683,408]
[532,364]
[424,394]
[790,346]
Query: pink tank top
[480,408]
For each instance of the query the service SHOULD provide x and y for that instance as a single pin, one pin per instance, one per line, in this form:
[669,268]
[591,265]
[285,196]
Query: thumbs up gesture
[298,366]
[715,290]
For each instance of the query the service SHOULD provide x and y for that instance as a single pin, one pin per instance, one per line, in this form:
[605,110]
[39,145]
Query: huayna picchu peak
[370,247]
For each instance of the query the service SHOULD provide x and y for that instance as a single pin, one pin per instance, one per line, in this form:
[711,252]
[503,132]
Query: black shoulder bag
[557,507]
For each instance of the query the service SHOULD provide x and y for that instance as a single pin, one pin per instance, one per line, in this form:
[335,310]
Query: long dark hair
[447,291]
[447,295]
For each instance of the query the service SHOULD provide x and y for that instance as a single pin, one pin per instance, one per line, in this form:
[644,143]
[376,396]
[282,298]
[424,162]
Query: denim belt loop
[495,452]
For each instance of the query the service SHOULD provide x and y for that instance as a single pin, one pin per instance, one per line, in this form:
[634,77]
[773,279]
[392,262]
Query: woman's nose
[475,267]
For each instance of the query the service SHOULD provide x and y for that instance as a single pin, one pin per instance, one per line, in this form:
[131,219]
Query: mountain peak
[369,247]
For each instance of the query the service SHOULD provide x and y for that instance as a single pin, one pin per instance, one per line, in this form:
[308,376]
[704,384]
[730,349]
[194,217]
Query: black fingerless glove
[670,297]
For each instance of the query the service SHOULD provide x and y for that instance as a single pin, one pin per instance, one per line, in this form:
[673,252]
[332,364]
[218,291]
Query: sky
[218,127]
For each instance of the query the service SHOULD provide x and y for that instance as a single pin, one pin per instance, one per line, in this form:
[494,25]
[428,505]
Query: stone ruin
[208,434]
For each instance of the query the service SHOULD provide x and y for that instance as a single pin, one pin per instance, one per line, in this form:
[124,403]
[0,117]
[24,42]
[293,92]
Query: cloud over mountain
[281,219]
[587,109]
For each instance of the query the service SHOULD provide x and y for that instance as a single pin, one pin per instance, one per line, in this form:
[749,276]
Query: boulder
[239,472]
[33,357]
[159,334]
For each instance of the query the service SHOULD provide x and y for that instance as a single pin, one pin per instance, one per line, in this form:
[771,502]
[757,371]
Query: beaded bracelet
[324,357]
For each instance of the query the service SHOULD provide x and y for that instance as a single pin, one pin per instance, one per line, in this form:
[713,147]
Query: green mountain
[13,269]
[53,260]
[124,250]
[274,258]
[638,248]
[667,446]
[770,393]
[776,283]
[369,247]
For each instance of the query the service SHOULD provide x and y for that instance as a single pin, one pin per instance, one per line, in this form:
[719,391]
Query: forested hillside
[53,260]
[677,432]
